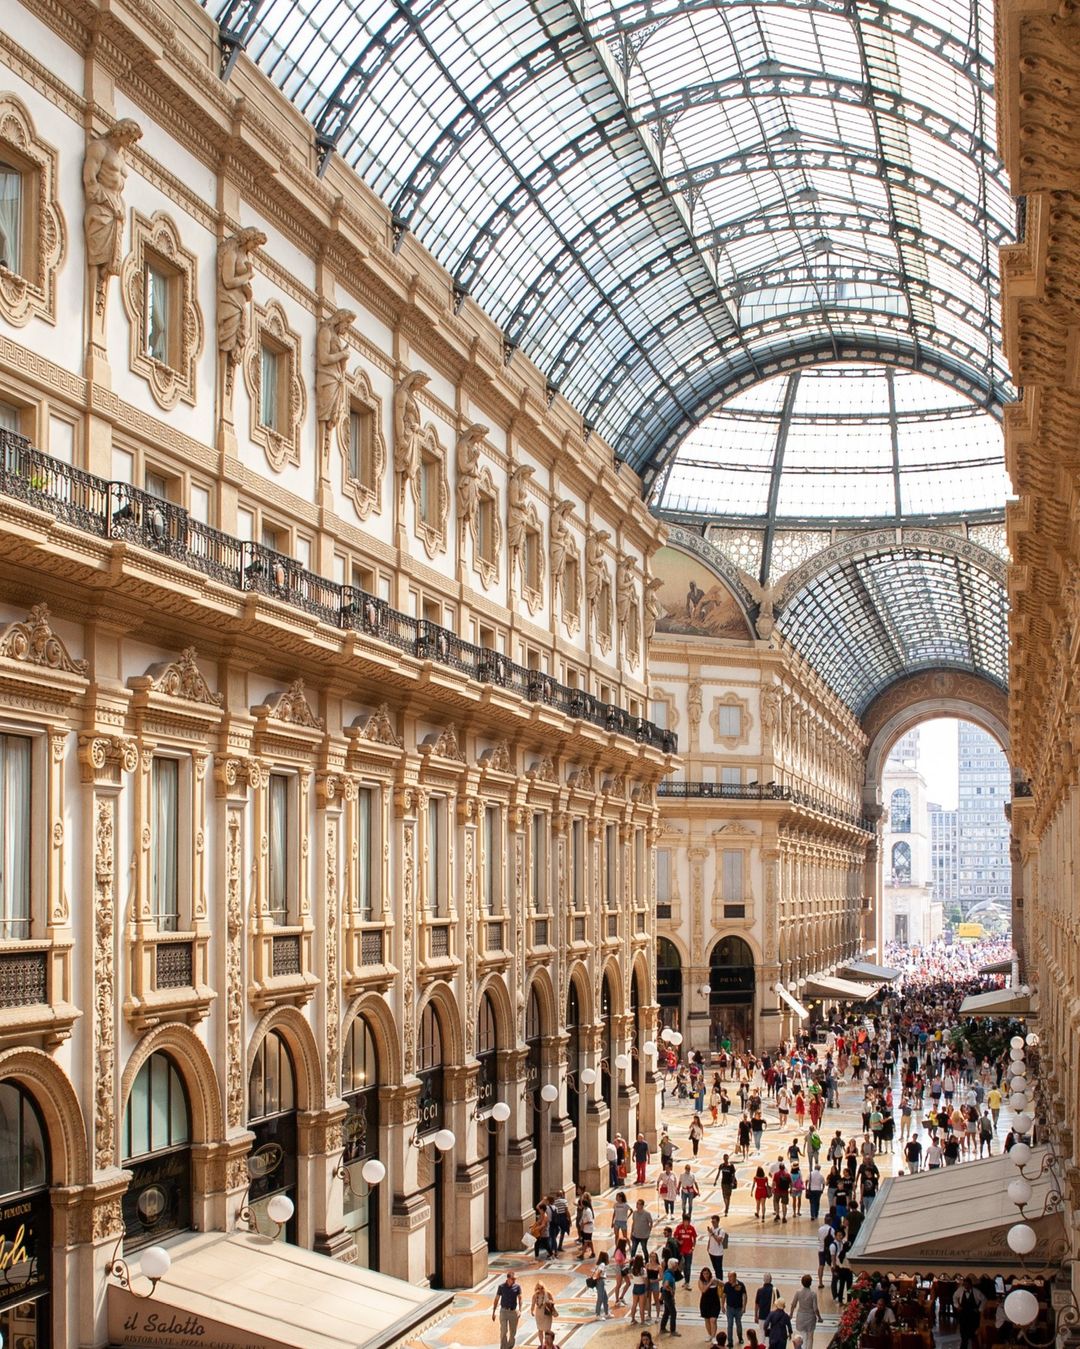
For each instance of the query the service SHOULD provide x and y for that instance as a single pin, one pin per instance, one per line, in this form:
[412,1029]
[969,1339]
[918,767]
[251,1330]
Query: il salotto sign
[153,1326]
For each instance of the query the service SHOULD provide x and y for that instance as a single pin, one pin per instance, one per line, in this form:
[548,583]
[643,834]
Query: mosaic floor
[787,1252]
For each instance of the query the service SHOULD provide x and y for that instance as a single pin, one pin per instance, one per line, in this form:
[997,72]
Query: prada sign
[25,1247]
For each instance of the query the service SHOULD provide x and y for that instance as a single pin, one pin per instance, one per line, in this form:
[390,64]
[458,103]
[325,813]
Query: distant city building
[944,854]
[910,912]
[906,750]
[983,790]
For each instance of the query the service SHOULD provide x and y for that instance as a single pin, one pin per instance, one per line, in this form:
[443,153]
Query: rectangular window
[532,559]
[491,859]
[733,876]
[639,866]
[659,712]
[436,840]
[165,844]
[365,860]
[729,721]
[485,529]
[577,861]
[15,819]
[159,287]
[270,388]
[360,438]
[571,586]
[11,218]
[538,863]
[731,777]
[278,793]
[156,484]
[611,865]
[663,876]
[429,492]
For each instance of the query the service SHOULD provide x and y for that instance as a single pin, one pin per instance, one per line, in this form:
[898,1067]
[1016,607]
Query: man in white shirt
[824,1251]
[815,1188]
[716,1240]
[933,1155]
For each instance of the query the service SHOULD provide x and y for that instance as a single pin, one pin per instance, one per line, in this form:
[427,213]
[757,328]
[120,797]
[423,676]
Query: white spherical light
[1018,1068]
[666,1034]
[1022,1122]
[549,1092]
[622,1062]
[1031,1039]
[280,1209]
[649,1049]
[156,1262]
[373,1171]
[1020,1153]
[1021,1307]
[1019,1192]
[1017,1042]
[1016,1054]
[1025,990]
[445,1140]
[500,1112]
[1018,1101]
[588,1076]
[676,1038]
[1021,1239]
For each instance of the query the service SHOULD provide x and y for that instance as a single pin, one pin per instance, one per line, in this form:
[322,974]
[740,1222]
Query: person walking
[709,1300]
[668,1285]
[805,1312]
[640,1310]
[667,1187]
[695,1133]
[599,1275]
[765,1298]
[688,1191]
[968,1303]
[620,1217]
[815,1187]
[726,1175]
[587,1222]
[777,1326]
[508,1306]
[761,1192]
[641,1226]
[734,1292]
[641,1156]
[686,1237]
[716,1240]
[543,1309]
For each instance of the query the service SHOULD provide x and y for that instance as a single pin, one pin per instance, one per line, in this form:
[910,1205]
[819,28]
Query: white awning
[971,1212]
[795,1005]
[998,967]
[866,969]
[246,1290]
[842,990]
[998,1002]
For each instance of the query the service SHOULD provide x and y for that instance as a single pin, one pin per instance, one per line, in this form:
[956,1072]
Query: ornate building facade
[328,784]
[763,852]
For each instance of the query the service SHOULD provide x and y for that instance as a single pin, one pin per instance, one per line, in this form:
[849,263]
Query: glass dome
[841,443]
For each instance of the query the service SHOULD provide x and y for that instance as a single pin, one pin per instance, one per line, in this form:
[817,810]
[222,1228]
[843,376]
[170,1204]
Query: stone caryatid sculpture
[518,494]
[559,526]
[408,431]
[595,570]
[331,374]
[624,588]
[104,176]
[653,607]
[236,271]
[468,474]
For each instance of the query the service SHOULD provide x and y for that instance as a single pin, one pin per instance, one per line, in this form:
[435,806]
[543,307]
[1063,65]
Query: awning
[998,1002]
[245,1290]
[795,1005]
[866,969]
[998,967]
[842,990]
[955,1220]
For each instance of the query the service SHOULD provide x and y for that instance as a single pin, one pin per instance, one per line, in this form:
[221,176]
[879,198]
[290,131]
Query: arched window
[429,1061]
[157,1152]
[272,1119]
[27,1203]
[272,1085]
[360,1091]
[487,1044]
[900,811]
[901,864]
[668,982]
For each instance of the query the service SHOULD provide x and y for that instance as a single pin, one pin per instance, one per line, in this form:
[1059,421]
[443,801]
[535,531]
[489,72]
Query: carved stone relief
[104,176]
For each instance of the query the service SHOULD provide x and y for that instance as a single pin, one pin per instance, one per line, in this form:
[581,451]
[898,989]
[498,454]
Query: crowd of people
[924,1093]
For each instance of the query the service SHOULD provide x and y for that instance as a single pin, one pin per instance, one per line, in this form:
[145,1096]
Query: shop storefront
[536,1117]
[157,1152]
[487,1088]
[430,1117]
[360,1090]
[272,1119]
[25,1222]
[731,995]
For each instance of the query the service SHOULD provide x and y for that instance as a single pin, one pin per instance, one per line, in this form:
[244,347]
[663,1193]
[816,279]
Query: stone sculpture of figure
[594,564]
[694,705]
[518,493]
[560,538]
[236,269]
[104,175]
[331,358]
[770,708]
[468,473]
[653,607]
[408,431]
[624,587]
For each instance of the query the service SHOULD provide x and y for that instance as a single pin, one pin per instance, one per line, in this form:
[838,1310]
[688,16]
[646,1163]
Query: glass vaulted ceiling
[662,201]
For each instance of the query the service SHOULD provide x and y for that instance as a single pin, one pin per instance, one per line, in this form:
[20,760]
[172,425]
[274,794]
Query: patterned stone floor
[787,1252]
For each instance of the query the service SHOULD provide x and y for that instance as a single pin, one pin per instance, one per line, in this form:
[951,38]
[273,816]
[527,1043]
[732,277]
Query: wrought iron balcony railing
[116,510]
[762,791]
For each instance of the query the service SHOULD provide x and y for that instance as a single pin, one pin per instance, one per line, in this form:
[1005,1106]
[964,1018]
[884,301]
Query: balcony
[35,979]
[759,791]
[116,510]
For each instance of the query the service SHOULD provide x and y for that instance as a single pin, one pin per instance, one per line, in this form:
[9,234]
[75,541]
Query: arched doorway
[669,980]
[430,1114]
[607,1064]
[574,1093]
[731,994]
[157,1151]
[360,1092]
[272,1119]
[25,1221]
[487,1093]
[536,1116]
